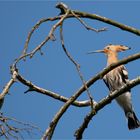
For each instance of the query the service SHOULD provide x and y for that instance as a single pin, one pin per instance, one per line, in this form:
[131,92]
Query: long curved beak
[97,51]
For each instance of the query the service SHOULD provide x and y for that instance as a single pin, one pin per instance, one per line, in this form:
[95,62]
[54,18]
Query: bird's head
[112,49]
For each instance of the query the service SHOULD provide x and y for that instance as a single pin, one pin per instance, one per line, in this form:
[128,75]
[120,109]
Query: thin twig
[3,132]
[50,34]
[86,26]
[76,65]
[108,21]
[92,102]
[65,50]
[9,130]
[36,26]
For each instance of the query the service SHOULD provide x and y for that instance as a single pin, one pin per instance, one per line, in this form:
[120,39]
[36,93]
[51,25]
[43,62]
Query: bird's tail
[133,121]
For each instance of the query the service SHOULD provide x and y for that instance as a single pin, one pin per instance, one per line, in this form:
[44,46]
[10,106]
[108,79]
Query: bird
[117,78]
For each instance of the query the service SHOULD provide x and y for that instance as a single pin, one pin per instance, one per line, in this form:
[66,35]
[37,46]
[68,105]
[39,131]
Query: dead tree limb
[108,21]
[76,65]
[7,87]
[8,129]
[35,88]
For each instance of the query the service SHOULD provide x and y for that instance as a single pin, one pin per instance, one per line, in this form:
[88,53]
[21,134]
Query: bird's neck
[112,58]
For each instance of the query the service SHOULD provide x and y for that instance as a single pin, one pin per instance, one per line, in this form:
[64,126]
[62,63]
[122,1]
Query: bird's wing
[124,74]
[121,74]
[106,81]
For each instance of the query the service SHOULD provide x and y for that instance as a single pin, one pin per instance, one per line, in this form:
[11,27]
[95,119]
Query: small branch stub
[63,7]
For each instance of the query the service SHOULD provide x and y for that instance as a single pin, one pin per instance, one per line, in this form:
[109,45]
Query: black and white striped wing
[116,79]
[124,74]
[105,79]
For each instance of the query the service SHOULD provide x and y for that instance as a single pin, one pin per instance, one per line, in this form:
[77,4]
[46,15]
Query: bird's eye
[108,48]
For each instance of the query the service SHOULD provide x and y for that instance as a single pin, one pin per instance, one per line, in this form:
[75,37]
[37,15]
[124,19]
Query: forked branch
[49,131]
[11,128]
[101,104]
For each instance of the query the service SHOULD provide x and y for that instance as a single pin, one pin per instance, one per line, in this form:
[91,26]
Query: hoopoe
[115,79]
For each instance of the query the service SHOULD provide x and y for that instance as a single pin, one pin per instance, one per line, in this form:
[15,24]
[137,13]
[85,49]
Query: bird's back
[116,78]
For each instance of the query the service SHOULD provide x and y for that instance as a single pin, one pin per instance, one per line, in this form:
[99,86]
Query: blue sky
[55,72]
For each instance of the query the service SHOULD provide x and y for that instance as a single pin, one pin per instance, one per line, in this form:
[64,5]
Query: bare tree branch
[86,26]
[11,128]
[75,14]
[85,103]
[50,35]
[49,132]
[76,65]
[102,19]
[33,87]
[7,87]
[108,21]
[101,104]
[64,48]
[36,26]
